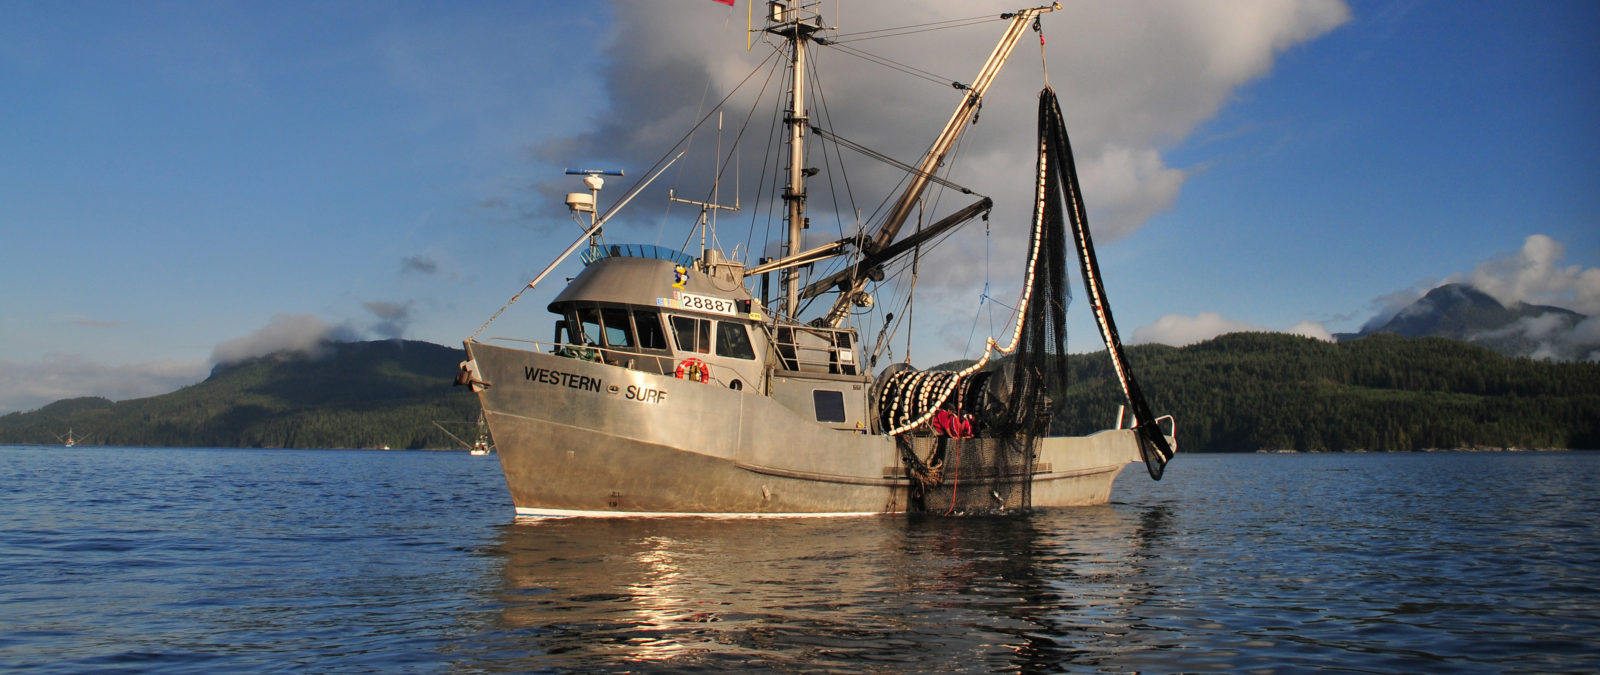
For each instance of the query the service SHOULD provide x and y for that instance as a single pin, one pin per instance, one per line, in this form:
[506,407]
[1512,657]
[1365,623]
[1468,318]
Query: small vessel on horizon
[673,384]
[69,440]
[480,446]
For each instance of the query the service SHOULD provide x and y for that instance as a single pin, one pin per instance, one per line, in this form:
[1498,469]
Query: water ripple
[175,560]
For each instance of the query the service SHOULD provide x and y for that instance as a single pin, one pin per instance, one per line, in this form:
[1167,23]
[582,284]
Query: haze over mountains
[386,393]
[1462,312]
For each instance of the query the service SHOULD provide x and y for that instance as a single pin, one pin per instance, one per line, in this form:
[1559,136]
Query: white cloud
[1534,275]
[1133,78]
[1178,330]
[1551,336]
[1388,306]
[1129,186]
[1311,329]
[58,376]
[302,333]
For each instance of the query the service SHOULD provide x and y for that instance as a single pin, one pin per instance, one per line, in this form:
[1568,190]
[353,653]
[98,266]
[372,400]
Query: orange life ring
[693,368]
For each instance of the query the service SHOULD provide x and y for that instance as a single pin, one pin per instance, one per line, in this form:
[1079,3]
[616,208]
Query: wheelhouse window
[733,341]
[589,325]
[693,335]
[829,405]
[620,328]
[648,324]
[619,332]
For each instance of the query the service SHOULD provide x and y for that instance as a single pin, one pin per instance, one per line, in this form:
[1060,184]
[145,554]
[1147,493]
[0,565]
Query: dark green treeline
[346,395]
[1270,391]
[1239,392]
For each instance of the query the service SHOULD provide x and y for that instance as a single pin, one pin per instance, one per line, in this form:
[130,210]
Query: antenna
[707,207]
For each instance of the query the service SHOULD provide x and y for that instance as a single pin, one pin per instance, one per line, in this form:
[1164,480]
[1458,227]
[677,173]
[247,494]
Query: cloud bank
[1178,330]
[297,333]
[1136,77]
[58,376]
[393,318]
[1534,275]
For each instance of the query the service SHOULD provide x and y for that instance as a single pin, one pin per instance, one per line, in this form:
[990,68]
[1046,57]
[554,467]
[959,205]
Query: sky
[187,183]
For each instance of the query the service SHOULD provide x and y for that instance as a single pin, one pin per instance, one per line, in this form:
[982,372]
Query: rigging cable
[704,92]
[993,345]
[761,184]
[894,65]
[733,153]
[917,28]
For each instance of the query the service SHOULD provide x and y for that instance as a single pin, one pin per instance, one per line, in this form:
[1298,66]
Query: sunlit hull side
[578,438]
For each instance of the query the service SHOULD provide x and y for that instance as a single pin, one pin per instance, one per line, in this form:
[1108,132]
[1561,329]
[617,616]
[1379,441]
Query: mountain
[1462,312]
[1238,392]
[342,395]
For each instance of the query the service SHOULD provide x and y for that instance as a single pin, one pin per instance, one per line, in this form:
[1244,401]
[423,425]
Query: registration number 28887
[706,303]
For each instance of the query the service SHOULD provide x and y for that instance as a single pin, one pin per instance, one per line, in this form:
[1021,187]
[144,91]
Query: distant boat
[673,387]
[478,447]
[69,440]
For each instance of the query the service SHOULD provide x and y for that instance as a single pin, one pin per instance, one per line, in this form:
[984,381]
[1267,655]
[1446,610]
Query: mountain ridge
[1462,312]
[1237,392]
[337,395]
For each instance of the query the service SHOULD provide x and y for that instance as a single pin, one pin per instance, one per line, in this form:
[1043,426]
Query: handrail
[796,356]
[607,355]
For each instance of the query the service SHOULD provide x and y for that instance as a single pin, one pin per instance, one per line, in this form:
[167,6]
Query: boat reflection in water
[1041,590]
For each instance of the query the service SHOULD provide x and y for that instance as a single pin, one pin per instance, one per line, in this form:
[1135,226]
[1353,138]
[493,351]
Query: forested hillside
[347,395]
[1268,391]
[1240,392]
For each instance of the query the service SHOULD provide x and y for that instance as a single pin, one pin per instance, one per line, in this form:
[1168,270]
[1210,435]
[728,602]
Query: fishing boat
[69,440]
[480,446]
[674,385]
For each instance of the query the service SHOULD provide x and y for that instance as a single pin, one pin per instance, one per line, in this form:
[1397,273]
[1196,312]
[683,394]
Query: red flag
[729,3]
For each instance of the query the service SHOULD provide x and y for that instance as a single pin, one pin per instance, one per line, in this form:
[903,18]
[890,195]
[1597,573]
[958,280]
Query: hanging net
[1153,445]
[969,439]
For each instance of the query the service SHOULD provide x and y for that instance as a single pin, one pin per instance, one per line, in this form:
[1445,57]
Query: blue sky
[185,182]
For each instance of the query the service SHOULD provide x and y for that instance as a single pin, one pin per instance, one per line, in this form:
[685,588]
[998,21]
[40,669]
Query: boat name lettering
[561,379]
[645,394]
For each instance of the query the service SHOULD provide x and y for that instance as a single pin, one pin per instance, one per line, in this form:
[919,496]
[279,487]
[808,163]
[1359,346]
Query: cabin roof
[615,277]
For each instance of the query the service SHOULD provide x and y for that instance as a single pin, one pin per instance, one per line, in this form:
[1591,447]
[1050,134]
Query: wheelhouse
[659,311]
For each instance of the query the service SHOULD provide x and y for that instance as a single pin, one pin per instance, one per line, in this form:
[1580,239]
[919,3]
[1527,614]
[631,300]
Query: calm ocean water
[199,560]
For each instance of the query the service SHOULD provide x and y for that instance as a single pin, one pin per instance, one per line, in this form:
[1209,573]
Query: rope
[647,175]
[915,28]
[502,310]
[955,484]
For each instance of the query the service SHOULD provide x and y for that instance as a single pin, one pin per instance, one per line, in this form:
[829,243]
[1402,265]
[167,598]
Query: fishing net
[969,439]
[1153,445]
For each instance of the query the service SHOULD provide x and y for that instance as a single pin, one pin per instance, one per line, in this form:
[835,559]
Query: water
[197,560]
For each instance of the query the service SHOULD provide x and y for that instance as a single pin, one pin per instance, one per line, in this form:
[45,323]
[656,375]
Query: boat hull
[583,438]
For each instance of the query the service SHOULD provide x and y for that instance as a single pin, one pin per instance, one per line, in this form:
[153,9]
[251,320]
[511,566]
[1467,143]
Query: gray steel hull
[583,438]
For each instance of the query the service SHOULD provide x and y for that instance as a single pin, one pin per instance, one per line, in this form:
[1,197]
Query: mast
[785,20]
